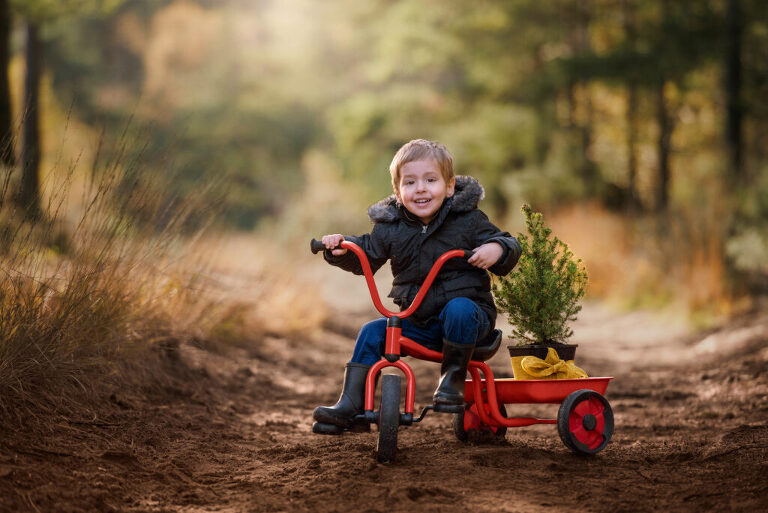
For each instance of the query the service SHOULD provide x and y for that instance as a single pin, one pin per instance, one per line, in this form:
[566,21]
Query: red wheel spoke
[593,439]
[578,432]
[581,409]
[600,426]
[575,422]
[589,438]
[595,406]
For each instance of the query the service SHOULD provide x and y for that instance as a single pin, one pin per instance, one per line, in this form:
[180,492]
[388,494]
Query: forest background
[165,332]
[638,127]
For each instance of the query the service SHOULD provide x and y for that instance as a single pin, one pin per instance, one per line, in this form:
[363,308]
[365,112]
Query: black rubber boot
[449,395]
[350,401]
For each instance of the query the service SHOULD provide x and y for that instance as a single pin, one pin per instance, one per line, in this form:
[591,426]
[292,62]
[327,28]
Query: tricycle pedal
[449,408]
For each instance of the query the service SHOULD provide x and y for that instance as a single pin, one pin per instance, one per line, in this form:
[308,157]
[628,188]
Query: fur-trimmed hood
[468,193]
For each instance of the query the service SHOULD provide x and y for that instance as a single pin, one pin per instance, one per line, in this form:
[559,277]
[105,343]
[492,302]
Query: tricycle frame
[482,389]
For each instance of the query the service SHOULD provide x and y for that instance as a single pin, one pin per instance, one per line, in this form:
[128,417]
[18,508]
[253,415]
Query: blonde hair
[421,149]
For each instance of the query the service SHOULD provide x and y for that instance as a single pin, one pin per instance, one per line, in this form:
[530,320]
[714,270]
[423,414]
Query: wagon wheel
[585,422]
[389,418]
[469,421]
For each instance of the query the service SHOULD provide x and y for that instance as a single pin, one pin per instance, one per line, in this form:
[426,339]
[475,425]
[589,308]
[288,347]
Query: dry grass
[260,288]
[651,262]
[96,298]
[80,299]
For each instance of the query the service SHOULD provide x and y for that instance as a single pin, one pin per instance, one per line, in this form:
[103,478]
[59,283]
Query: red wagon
[584,420]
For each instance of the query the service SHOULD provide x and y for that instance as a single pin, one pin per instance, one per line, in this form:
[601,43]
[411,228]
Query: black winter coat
[412,247]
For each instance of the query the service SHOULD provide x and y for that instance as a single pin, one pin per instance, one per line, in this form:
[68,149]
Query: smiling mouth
[422,201]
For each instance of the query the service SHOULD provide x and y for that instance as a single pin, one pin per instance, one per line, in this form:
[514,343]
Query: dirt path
[231,432]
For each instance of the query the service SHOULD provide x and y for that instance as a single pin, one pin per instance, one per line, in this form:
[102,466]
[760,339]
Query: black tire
[463,434]
[389,418]
[585,422]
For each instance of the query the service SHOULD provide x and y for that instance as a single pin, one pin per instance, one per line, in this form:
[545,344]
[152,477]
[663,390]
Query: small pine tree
[542,293]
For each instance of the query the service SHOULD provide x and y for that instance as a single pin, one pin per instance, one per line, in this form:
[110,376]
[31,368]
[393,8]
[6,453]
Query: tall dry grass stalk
[77,298]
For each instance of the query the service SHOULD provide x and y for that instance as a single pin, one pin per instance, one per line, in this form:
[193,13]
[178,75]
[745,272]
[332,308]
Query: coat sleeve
[374,245]
[485,231]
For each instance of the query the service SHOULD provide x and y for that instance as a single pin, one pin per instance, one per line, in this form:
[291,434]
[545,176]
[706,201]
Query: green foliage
[542,294]
[531,97]
[47,10]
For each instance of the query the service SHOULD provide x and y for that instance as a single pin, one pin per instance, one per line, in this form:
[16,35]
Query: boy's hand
[331,241]
[486,255]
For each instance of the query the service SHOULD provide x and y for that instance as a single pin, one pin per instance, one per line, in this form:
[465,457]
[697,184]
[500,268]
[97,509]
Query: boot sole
[324,418]
[321,428]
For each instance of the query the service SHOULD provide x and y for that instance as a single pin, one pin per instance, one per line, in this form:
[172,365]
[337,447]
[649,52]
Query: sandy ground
[229,430]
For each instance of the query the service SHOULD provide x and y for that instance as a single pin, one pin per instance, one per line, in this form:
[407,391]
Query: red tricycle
[584,420]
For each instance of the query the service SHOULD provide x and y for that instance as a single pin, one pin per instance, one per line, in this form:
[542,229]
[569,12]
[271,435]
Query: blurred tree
[625,103]
[231,92]
[580,108]
[37,13]
[29,193]
[630,34]
[733,103]
[6,130]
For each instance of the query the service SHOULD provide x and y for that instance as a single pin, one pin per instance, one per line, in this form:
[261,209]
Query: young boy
[431,212]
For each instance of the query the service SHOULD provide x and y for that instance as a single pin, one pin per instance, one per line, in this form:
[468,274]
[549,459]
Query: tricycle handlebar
[316,246]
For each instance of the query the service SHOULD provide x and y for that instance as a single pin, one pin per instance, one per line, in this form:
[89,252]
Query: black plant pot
[564,351]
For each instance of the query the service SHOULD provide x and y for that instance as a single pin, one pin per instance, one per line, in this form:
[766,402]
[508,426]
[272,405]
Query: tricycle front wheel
[389,418]
[585,422]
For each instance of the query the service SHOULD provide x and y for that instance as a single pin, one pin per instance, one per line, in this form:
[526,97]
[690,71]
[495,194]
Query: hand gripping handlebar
[316,246]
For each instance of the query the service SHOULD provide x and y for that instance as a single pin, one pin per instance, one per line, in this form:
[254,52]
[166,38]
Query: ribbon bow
[552,366]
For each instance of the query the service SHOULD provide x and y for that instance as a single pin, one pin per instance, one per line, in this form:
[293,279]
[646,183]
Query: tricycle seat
[488,347]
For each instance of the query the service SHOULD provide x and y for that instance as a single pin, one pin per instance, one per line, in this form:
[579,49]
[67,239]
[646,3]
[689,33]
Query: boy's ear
[451,188]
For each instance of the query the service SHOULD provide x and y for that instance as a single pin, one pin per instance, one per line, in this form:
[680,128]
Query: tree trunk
[581,108]
[30,148]
[499,202]
[663,148]
[6,133]
[733,104]
[589,173]
[633,199]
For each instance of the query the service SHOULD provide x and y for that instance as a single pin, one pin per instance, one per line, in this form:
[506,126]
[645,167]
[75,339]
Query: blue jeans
[461,322]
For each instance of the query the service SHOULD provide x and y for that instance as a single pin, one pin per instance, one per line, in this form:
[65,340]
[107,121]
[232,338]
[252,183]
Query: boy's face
[422,189]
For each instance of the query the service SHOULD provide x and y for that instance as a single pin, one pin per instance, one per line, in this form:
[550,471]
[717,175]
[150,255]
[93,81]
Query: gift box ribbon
[551,367]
